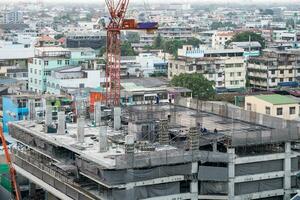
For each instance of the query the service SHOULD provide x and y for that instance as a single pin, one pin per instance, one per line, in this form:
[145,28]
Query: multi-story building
[12,17]
[49,58]
[70,77]
[275,105]
[90,39]
[175,32]
[205,150]
[225,67]
[220,38]
[274,68]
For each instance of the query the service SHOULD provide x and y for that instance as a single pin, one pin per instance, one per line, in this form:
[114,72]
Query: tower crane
[117,10]
[12,170]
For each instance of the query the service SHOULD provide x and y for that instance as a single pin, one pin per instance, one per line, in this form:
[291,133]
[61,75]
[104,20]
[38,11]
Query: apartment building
[47,59]
[225,67]
[73,77]
[175,32]
[220,38]
[274,68]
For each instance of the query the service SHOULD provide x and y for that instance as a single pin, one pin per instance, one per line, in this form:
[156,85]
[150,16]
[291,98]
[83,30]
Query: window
[40,72]
[35,71]
[40,62]
[239,73]
[290,71]
[292,110]
[290,79]
[210,75]
[281,71]
[31,70]
[231,82]
[170,65]
[279,111]
[231,74]
[298,70]
[35,61]
[35,81]
[281,80]
[30,80]
[220,83]
[191,68]
[236,82]
[59,62]
[273,80]
[268,110]
[272,71]
[46,63]
[220,74]
[249,106]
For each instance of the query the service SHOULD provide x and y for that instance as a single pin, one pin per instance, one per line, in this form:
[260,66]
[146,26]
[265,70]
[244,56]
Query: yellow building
[274,104]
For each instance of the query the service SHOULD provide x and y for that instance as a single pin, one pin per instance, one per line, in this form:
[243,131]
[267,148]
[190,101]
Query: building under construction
[186,150]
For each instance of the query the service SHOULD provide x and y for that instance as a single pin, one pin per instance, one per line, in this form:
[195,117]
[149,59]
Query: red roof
[62,40]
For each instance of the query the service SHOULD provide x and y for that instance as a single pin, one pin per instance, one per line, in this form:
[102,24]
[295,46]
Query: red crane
[117,10]
[12,170]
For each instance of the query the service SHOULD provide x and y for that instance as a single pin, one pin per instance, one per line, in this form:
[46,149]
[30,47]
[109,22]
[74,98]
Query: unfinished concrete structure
[190,150]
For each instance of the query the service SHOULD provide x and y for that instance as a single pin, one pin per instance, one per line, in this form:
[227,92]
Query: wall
[258,105]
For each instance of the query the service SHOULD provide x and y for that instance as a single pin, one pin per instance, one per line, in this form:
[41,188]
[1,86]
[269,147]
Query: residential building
[47,59]
[12,17]
[273,68]
[175,32]
[220,38]
[70,77]
[250,48]
[276,105]
[226,67]
[94,40]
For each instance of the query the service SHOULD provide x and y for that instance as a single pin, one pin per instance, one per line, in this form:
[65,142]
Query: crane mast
[117,12]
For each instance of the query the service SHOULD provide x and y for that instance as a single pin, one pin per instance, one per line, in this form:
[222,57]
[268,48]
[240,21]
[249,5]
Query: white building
[220,38]
[226,67]
[73,77]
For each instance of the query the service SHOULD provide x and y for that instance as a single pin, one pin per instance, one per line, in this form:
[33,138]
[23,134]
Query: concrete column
[31,103]
[117,118]
[48,115]
[287,171]
[97,113]
[61,123]
[231,173]
[32,190]
[103,139]
[80,129]
[194,182]
[215,146]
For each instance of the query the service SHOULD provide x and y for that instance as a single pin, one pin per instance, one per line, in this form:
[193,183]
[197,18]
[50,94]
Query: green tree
[158,42]
[290,23]
[126,49]
[133,37]
[244,37]
[201,87]
[58,36]
[193,41]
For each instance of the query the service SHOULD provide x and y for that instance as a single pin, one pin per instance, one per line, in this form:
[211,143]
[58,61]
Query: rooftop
[277,99]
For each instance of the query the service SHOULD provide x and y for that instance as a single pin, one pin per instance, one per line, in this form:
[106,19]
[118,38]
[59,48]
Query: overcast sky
[177,1]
